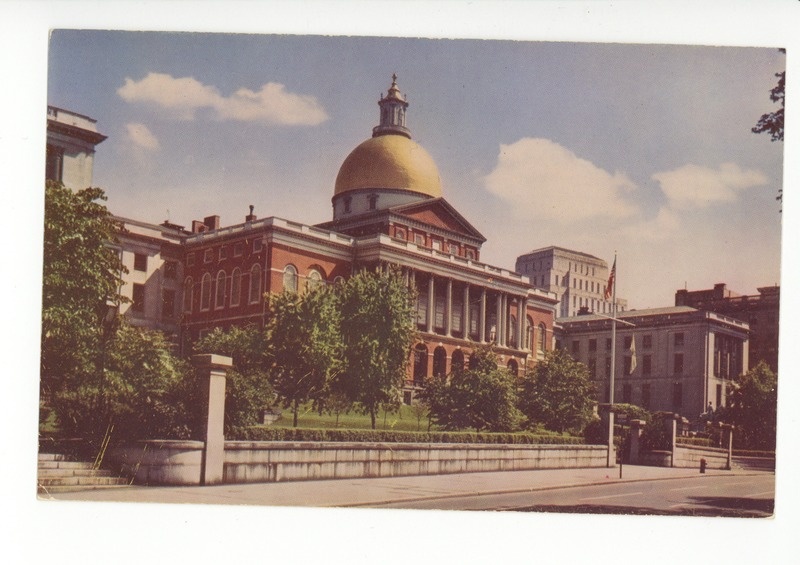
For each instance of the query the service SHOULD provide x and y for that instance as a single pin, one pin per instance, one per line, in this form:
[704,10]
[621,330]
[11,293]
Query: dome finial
[393,113]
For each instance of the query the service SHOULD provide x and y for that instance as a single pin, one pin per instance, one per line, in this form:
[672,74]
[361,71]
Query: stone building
[677,359]
[760,311]
[578,279]
[71,142]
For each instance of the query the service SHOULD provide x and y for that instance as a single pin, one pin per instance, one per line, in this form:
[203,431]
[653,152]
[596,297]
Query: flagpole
[611,460]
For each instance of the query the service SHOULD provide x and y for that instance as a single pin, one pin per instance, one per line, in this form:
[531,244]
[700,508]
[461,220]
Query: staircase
[57,473]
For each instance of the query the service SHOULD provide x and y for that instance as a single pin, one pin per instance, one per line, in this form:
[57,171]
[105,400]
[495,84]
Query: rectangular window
[208,256]
[238,249]
[678,364]
[168,304]
[646,395]
[627,364]
[592,345]
[438,321]
[628,341]
[139,262]
[436,244]
[257,245]
[223,252]
[171,270]
[138,298]
[647,365]
[608,344]
[458,309]
[422,311]
[419,239]
[474,319]
[647,341]
[452,248]
[626,393]
[679,339]
[593,367]
[677,396]
[608,366]
[190,260]
[576,347]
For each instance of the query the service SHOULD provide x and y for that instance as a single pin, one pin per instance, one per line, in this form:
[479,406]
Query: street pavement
[382,491]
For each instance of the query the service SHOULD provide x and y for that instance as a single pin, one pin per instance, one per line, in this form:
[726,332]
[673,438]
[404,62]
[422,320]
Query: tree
[772,122]
[81,281]
[558,393]
[377,332]
[482,397]
[248,390]
[305,346]
[753,408]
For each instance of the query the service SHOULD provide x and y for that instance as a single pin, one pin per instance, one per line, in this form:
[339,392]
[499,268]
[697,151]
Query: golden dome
[389,161]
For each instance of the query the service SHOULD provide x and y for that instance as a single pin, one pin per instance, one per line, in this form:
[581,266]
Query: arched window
[512,331]
[439,362]
[541,344]
[236,287]
[254,293]
[420,364]
[338,280]
[529,333]
[205,292]
[457,362]
[219,297]
[290,278]
[513,367]
[314,279]
[188,294]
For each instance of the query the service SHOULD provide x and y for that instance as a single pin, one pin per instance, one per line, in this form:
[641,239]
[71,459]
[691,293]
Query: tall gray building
[578,279]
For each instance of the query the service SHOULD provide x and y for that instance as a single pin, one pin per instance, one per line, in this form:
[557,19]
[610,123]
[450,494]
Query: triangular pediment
[440,214]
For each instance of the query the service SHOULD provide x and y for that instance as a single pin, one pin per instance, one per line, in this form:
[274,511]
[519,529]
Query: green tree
[482,397]
[772,122]
[753,408]
[558,393]
[81,281]
[248,390]
[377,333]
[305,346]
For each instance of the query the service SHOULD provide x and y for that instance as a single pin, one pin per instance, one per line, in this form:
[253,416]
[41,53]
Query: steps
[57,473]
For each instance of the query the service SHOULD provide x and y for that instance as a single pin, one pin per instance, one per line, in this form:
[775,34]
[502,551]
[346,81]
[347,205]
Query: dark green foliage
[657,434]
[558,393]
[482,397]
[305,346]
[377,333]
[305,434]
[772,122]
[81,278]
[753,408]
[247,388]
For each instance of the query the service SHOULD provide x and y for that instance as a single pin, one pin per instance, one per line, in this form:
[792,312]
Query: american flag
[610,285]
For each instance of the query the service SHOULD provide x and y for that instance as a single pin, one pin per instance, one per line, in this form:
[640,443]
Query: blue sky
[645,150]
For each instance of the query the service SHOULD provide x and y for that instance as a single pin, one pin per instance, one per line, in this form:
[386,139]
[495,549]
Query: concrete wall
[162,462]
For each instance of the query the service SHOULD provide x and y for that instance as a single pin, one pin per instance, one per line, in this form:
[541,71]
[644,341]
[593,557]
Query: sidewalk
[367,492]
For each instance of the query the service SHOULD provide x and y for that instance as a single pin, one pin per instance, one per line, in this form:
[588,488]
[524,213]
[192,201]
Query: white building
[71,140]
[578,279]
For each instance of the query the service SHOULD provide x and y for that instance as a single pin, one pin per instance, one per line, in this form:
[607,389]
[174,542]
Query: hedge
[698,441]
[259,433]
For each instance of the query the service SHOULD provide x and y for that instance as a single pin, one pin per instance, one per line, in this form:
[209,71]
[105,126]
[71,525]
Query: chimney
[211,222]
[198,226]
[251,217]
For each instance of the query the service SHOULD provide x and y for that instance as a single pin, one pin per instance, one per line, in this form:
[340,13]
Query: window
[438,320]
[339,280]
[576,347]
[138,298]
[608,366]
[400,233]
[168,304]
[513,367]
[626,393]
[647,365]
[512,331]
[677,396]
[529,333]
[219,297]
[646,395]
[419,239]
[452,248]
[290,278]
[139,262]
[422,310]
[373,201]
[54,164]
[314,279]
[678,363]
[542,341]
[647,341]
[436,244]
[258,244]
[188,294]
[205,292]
[679,339]
[170,270]
[471,254]
[455,315]
[208,256]
[608,344]
[593,368]
[190,260]
[628,341]
[439,362]
[457,362]
[223,252]
[592,345]
[628,363]
[236,287]
[238,249]
[254,292]
[348,202]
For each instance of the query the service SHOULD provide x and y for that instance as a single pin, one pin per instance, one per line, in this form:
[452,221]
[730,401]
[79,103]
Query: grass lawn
[404,420]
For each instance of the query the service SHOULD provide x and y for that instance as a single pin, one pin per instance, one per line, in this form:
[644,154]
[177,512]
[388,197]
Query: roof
[554,248]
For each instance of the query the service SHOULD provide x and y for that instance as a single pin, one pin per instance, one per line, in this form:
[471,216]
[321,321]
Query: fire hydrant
[702,465]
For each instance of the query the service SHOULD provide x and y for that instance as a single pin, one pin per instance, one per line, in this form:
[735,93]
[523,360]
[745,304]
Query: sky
[642,150]
[588,124]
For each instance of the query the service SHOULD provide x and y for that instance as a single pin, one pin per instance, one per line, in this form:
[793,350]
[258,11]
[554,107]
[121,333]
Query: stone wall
[162,462]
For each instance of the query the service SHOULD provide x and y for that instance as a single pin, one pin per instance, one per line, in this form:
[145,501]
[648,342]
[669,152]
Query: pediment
[440,214]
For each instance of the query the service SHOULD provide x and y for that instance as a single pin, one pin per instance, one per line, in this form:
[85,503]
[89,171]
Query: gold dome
[389,161]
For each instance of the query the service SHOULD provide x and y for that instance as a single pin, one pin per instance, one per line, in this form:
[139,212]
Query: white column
[482,324]
[448,322]
[465,317]
[431,304]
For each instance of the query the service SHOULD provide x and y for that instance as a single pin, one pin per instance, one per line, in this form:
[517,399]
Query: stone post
[727,441]
[637,427]
[212,371]
[672,425]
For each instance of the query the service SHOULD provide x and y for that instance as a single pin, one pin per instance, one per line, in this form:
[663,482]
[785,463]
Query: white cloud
[184,96]
[542,179]
[142,137]
[693,186]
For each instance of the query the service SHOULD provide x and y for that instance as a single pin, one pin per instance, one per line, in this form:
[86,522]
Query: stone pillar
[637,428]
[448,322]
[727,442]
[212,370]
[482,324]
[522,315]
[672,425]
[431,305]
[498,327]
[466,322]
[611,457]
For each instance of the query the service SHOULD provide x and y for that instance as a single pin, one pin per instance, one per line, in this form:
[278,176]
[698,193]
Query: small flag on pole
[610,285]
[633,355]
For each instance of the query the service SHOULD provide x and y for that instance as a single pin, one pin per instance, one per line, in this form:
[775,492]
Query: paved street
[641,489]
